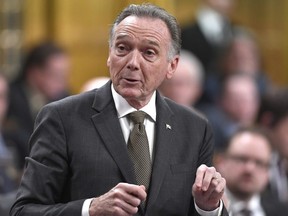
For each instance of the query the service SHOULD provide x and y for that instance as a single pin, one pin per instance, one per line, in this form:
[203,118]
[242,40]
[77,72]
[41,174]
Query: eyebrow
[150,42]
[121,36]
[154,43]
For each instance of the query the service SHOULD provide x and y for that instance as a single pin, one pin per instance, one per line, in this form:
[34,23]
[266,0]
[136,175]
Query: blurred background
[82,27]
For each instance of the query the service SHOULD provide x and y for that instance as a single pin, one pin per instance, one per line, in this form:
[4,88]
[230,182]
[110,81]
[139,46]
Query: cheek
[113,69]
[230,171]
[262,180]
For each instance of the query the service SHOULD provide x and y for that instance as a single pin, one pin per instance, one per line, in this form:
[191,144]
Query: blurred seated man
[185,87]
[238,107]
[44,78]
[245,166]
[211,32]
[273,116]
[9,174]
[93,83]
[241,56]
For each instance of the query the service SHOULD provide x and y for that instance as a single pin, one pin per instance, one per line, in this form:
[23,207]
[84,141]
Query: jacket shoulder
[185,112]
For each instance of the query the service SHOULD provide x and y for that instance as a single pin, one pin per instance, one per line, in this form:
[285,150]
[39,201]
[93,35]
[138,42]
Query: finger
[209,175]
[212,186]
[216,189]
[221,187]
[143,187]
[126,207]
[131,199]
[199,176]
[135,190]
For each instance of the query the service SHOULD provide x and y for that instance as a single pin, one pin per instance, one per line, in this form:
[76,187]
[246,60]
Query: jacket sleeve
[207,149]
[206,155]
[43,189]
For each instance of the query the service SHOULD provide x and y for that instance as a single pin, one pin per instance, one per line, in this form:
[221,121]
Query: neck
[138,104]
[242,196]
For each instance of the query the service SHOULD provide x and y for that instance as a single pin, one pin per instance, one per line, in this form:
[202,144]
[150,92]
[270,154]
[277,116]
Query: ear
[172,67]
[108,60]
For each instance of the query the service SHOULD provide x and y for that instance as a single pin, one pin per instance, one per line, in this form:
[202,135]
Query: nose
[134,60]
[250,165]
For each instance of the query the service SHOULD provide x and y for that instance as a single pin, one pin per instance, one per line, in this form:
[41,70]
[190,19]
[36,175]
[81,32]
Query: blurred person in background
[273,115]
[9,174]
[93,83]
[185,87]
[245,165]
[237,107]
[241,56]
[44,78]
[211,32]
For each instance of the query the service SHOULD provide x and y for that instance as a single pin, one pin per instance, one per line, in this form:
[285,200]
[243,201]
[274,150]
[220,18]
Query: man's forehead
[134,18]
[242,140]
[142,24]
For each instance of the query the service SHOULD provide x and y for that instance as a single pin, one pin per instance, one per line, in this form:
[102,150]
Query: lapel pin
[168,126]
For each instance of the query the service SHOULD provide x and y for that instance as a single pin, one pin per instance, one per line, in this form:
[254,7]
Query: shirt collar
[254,204]
[123,107]
[211,23]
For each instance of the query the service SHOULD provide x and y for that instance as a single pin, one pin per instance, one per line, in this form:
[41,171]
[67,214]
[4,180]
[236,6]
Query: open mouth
[131,80]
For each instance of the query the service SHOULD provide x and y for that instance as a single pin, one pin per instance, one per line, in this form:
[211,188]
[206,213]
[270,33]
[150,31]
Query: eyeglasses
[243,160]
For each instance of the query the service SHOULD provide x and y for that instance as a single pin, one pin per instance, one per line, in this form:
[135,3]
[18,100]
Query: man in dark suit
[245,166]
[79,162]
[208,37]
[43,79]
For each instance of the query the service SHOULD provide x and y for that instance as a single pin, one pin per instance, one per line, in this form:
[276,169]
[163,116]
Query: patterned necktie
[138,149]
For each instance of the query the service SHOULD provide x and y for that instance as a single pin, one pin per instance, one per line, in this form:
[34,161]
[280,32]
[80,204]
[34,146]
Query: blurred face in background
[245,165]
[240,100]
[52,78]
[243,57]
[185,87]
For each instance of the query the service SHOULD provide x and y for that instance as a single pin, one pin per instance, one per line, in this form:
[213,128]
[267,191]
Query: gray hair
[189,57]
[155,12]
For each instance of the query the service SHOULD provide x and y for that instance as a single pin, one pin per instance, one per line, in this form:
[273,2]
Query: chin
[243,193]
[129,93]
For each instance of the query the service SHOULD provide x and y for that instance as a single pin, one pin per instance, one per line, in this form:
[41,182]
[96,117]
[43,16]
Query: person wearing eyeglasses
[245,164]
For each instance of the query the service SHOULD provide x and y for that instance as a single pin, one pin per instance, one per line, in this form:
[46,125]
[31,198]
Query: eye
[121,49]
[150,54]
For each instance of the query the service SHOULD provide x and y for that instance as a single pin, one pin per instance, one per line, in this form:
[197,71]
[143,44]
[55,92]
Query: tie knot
[137,117]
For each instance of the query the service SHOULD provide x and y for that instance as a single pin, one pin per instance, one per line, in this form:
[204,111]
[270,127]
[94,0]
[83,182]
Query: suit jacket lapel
[162,147]
[107,124]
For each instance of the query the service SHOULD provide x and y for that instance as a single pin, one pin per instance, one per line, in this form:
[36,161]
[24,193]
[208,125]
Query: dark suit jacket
[20,121]
[194,41]
[78,151]
[19,109]
[272,206]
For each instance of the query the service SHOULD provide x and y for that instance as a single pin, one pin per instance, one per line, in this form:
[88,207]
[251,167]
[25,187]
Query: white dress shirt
[236,205]
[123,109]
[212,25]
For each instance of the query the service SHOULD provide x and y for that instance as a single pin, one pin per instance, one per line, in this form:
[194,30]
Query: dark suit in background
[78,152]
[194,40]
[272,206]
